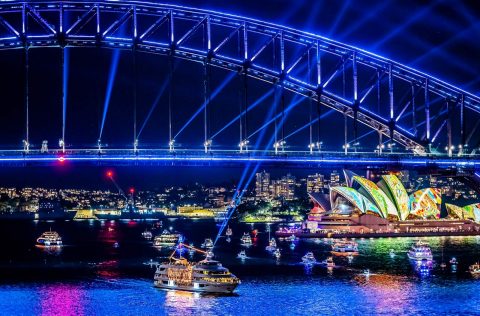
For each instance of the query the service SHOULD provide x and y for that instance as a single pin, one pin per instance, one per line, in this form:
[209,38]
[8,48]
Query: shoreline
[376,235]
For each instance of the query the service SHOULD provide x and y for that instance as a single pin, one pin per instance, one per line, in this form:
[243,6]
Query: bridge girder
[16,17]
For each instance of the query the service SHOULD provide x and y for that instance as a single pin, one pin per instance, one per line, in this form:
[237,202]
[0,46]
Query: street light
[244,144]
[171,145]
[207,144]
[135,146]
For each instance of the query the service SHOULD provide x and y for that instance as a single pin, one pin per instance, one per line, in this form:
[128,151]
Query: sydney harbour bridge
[411,118]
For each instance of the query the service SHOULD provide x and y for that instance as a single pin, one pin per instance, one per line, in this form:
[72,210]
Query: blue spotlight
[66,61]
[339,17]
[290,107]
[108,92]
[310,123]
[213,95]
[154,105]
[251,107]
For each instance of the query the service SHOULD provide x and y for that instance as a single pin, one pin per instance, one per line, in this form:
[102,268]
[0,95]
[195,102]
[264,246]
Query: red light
[109,174]
[61,159]
[132,190]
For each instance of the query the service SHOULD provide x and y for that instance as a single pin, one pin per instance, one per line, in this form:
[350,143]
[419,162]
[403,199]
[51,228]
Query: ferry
[309,258]
[474,269]
[246,240]
[272,245]
[328,263]
[147,234]
[206,276]
[49,238]
[207,244]
[345,247]
[166,239]
[420,251]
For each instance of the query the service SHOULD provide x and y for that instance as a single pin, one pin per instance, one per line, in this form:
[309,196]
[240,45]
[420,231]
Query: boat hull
[208,288]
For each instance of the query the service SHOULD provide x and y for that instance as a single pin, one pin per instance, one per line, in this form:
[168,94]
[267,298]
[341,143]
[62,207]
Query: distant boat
[419,251]
[207,244]
[345,247]
[166,239]
[229,232]
[474,269]
[277,253]
[147,234]
[242,255]
[272,245]
[328,263]
[392,253]
[246,240]
[309,258]
[49,238]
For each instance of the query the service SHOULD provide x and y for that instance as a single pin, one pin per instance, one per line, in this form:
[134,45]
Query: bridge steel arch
[154,28]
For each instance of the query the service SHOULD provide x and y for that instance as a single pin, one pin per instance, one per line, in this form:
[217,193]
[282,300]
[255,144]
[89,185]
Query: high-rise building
[287,187]
[315,183]
[334,179]
[262,185]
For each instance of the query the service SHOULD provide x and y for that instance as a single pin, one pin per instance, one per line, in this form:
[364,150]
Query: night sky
[437,37]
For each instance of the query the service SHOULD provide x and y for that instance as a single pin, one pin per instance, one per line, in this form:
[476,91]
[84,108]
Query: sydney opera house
[364,206]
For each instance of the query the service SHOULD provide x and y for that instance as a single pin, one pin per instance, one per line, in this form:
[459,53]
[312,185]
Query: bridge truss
[402,105]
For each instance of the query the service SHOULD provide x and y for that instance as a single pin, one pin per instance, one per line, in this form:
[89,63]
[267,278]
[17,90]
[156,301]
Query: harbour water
[105,268]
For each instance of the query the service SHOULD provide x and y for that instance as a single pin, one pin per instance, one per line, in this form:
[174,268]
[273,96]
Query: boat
[166,238]
[49,238]
[229,232]
[345,248]
[420,251]
[147,234]
[242,255]
[474,269]
[207,244]
[277,253]
[206,276]
[246,240]
[272,245]
[328,263]
[291,238]
[392,253]
[309,258]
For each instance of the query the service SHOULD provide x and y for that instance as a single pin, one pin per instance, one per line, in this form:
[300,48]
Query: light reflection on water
[116,282]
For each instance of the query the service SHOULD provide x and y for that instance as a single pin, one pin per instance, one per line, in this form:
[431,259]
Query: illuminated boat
[147,234]
[242,255]
[272,245]
[291,238]
[207,244]
[420,251]
[474,269]
[246,240]
[166,238]
[345,247]
[229,232]
[328,263]
[49,238]
[277,254]
[309,258]
[207,276]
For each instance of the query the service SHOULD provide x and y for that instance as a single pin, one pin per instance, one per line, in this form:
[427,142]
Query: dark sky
[437,37]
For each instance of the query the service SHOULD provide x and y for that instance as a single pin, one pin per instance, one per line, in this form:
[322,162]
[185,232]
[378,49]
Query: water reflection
[185,303]
[61,299]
